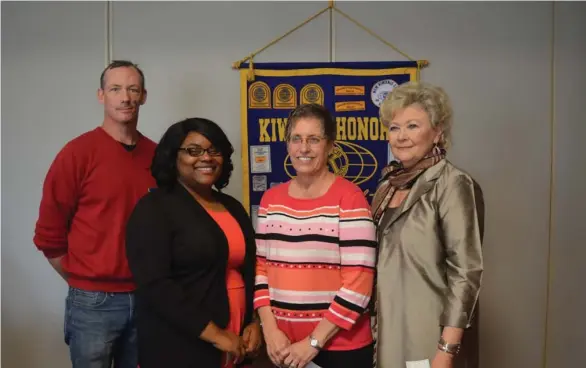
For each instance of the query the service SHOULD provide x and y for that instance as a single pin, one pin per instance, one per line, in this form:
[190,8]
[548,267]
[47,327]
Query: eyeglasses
[198,151]
[311,140]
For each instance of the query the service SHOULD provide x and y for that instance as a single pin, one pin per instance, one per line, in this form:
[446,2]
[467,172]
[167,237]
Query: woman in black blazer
[191,251]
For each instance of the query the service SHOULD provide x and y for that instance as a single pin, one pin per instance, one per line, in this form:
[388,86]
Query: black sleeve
[148,248]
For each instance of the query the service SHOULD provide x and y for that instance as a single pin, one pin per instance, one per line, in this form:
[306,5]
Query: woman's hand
[277,344]
[300,354]
[252,337]
[442,360]
[232,344]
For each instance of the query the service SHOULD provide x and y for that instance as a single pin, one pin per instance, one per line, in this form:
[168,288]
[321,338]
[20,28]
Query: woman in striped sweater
[315,256]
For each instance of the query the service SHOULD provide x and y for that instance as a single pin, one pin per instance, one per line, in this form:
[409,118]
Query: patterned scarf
[395,177]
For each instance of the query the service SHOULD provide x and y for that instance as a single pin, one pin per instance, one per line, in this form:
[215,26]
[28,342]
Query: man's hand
[56,264]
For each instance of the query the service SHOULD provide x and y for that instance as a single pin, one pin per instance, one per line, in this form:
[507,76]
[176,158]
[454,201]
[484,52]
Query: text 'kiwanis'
[348,129]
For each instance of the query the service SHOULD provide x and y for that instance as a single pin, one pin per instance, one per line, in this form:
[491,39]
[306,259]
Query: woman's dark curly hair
[164,165]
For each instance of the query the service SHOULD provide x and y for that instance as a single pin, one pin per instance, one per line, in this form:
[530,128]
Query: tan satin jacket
[430,268]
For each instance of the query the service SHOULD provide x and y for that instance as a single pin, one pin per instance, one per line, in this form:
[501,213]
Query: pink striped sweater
[316,259]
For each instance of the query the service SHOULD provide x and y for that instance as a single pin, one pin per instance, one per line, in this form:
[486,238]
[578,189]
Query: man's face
[122,94]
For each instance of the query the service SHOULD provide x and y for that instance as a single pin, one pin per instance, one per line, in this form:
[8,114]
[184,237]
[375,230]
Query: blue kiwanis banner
[352,92]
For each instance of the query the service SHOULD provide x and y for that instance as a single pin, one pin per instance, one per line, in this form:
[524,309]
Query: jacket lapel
[205,220]
[423,185]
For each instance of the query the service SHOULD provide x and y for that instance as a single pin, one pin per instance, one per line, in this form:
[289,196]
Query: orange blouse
[234,281]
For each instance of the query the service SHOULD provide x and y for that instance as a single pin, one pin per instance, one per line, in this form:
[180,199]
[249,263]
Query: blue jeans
[100,329]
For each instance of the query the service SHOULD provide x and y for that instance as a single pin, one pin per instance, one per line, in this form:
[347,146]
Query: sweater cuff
[341,317]
[261,298]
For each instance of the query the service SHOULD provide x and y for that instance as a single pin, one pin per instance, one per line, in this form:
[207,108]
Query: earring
[436,148]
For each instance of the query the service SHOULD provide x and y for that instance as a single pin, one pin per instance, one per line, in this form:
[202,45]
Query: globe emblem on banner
[284,95]
[259,94]
[349,160]
[312,95]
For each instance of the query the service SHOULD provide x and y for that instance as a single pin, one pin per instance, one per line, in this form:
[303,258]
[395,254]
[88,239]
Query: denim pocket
[92,299]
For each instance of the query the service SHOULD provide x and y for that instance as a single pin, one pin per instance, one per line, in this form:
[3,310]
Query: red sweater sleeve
[59,199]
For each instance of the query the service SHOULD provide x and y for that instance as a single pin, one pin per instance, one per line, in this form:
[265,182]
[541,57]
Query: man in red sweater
[88,195]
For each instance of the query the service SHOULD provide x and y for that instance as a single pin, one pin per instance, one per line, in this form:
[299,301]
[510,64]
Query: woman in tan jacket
[430,218]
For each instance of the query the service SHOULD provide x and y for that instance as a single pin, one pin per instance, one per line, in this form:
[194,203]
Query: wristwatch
[314,343]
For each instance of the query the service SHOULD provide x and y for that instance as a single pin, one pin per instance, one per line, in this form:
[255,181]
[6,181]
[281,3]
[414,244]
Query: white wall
[52,54]
[567,302]
[493,58]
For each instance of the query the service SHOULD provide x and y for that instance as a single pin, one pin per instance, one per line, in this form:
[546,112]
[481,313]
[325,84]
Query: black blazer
[178,256]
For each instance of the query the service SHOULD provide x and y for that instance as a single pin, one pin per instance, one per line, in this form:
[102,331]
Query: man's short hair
[120,64]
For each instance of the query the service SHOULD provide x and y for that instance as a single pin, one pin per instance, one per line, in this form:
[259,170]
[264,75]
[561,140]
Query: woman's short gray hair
[434,100]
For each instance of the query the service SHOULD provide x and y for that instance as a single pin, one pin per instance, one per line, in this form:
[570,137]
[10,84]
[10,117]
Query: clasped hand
[239,347]
[300,354]
[286,355]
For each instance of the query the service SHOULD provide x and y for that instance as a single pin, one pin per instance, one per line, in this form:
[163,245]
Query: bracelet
[452,349]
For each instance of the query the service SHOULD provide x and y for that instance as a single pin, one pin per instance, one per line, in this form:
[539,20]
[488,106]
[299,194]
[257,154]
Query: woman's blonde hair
[434,100]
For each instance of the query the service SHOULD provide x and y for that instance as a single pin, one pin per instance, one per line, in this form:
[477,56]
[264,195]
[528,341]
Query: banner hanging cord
[237,64]
[250,76]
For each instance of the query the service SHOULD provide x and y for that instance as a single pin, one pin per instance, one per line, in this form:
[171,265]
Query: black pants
[359,358]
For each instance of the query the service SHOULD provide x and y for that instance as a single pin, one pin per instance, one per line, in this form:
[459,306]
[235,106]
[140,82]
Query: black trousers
[359,358]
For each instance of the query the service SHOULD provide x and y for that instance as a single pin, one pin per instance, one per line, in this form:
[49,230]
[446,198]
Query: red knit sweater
[88,195]
[316,260]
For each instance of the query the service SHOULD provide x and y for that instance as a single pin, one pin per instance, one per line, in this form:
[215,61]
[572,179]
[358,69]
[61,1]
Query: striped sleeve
[261,287]
[357,260]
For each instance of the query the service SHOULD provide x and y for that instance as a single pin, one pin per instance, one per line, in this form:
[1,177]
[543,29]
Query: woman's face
[307,147]
[411,135]
[199,164]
